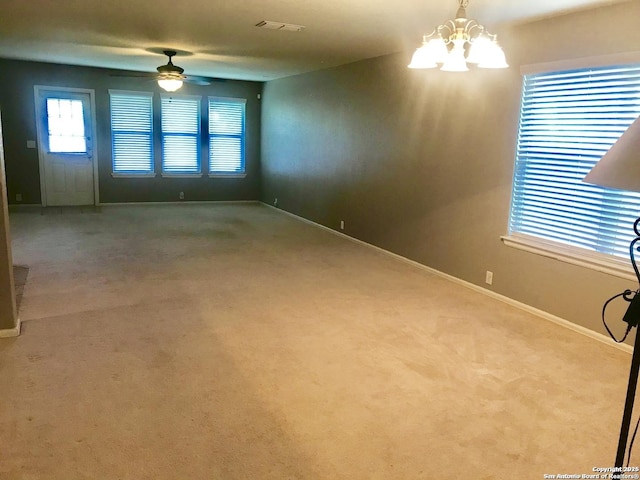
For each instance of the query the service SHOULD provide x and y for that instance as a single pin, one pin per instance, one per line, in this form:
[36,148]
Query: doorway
[65,120]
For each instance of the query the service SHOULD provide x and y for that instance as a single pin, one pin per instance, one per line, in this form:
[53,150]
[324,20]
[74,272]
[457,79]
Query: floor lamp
[620,168]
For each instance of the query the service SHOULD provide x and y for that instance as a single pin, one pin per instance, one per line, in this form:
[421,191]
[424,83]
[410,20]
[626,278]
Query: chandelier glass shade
[457,43]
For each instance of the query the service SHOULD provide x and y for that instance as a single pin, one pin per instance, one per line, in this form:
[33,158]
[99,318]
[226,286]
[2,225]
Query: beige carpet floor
[236,342]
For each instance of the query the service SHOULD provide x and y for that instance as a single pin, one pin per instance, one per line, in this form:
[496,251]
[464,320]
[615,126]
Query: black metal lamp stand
[632,317]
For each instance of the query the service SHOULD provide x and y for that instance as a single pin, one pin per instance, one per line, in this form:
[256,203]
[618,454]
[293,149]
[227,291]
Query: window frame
[242,137]
[132,173]
[601,262]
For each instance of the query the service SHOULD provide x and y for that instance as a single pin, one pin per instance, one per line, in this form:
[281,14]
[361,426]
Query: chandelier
[458,42]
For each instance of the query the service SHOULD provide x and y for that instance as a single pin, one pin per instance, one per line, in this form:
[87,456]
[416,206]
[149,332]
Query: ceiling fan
[169,77]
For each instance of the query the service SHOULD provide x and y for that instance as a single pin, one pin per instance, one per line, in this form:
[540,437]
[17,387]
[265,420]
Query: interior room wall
[420,163]
[8,310]
[17,81]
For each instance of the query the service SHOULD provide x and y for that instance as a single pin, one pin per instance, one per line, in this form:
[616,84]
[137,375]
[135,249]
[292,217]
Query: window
[568,121]
[226,136]
[132,132]
[65,120]
[180,134]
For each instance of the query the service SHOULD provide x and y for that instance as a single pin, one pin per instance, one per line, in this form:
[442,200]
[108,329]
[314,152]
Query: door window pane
[65,120]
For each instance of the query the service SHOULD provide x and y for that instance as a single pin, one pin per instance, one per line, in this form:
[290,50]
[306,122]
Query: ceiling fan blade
[134,75]
[170,71]
[198,80]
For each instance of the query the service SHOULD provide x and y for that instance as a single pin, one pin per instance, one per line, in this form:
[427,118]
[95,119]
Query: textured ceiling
[218,38]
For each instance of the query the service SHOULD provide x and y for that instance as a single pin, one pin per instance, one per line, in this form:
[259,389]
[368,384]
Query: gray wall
[421,162]
[17,80]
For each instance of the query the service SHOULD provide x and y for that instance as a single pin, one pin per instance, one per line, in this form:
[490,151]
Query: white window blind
[132,132]
[180,134]
[226,135]
[568,121]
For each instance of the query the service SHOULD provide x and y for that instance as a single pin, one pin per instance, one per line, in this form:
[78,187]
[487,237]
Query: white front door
[65,137]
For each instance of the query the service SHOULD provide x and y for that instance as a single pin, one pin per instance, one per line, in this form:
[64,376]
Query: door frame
[42,137]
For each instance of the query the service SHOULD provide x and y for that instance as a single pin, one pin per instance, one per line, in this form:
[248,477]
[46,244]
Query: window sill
[608,264]
[227,175]
[181,175]
[133,175]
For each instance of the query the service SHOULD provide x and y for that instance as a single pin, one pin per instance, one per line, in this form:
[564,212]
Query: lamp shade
[620,166]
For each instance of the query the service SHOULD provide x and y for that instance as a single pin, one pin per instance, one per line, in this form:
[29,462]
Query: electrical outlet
[275,202]
[488,279]
[18,197]
[341,224]
[181,196]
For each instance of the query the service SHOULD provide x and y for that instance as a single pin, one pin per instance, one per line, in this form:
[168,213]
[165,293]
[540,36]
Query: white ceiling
[218,38]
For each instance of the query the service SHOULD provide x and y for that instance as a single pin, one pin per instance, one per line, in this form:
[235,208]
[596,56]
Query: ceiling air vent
[287,27]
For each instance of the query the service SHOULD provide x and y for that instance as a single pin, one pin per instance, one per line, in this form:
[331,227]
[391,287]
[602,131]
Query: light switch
[31,144]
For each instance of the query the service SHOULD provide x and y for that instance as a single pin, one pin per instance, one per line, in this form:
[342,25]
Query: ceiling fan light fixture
[170,76]
[170,82]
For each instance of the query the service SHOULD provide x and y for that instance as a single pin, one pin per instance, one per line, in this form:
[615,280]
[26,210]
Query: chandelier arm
[472,25]
[491,36]
[426,38]
[450,26]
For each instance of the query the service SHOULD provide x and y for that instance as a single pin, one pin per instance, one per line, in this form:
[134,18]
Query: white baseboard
[179,202]
[13,207]
[34,206]
[11,332]
[510,301]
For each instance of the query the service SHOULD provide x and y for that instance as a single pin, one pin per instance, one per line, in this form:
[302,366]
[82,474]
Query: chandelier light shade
[457,43]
